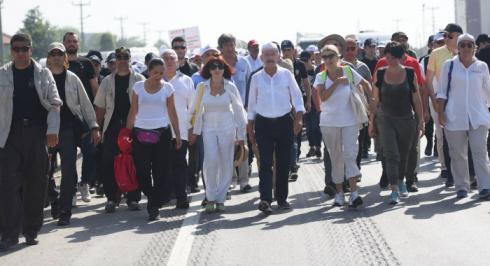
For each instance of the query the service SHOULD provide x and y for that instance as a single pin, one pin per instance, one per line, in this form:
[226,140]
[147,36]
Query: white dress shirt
[254,63]
[466,106]
[183,98]
[273,97]
[240,78]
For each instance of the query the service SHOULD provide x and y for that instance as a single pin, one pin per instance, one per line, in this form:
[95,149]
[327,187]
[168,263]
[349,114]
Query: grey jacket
[48,96]
[106,94]
[77,100]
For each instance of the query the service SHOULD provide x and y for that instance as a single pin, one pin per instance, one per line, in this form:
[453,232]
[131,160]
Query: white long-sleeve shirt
[240,78]
[466,106]
[254,63]
[183,98]
[274,96]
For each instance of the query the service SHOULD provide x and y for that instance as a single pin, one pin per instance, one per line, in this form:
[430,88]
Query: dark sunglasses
[182,47]
[350,49]
[56,53]
[122,57]
[329,56]
[214,66]
[22,49]
[466,45]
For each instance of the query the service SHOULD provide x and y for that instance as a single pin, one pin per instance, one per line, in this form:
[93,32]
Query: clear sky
[250,19]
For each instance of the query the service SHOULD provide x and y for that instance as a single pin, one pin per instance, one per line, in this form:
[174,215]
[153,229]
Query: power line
[144,24]
[81,5]
[121,22]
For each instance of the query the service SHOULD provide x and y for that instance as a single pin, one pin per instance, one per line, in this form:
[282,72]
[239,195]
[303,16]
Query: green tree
[130,42]
[41,31]
[107,42]
[161,42]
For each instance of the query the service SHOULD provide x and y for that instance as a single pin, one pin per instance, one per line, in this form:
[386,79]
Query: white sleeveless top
[152,108]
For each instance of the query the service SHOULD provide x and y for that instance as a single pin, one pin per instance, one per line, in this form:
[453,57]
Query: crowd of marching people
[161,130]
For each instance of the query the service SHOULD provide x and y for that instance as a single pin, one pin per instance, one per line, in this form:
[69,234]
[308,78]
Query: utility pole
[144,24]
[1,33]
[397,22]
[81,5]
[423,22]
[121,22]
[432,9]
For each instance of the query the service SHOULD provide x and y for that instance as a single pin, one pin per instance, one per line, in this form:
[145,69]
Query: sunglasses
[466,45]
[182,47]
[22,49]
[329,56]
[56,53]
[350,49]
[216,66]
[122,57]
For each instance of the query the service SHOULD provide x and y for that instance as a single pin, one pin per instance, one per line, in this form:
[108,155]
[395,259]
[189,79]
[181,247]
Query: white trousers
[458,150]
[219,148]
[342,146]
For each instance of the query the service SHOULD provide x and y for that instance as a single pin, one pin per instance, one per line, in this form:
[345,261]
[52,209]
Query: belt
[274,119]
[27,122]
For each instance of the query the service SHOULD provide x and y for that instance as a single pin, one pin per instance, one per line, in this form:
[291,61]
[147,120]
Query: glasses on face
[56,53]
[466,45]
[122,57]
[350,49]
[287,49]
[329,56]
[214,66]
[21,49]
[180,47]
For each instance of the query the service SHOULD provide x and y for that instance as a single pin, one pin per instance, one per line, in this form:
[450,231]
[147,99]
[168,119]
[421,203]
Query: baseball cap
[287,44]
[94,58]
[370,43]
[123,49]
[466,37]
[111,57]
[452,27]
[312,48]
[439,36]
[398,34]
[252,43]
[56,45]
[482,38]
[94,53]
[208,48]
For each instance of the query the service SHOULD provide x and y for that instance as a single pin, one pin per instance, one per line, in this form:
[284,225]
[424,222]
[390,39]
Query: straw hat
[241,154]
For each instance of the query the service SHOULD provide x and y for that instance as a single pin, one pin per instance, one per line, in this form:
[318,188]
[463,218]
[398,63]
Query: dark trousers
[447,158]
[429,133]
[312,123]
[111,150]
[179,169]
[327,163]
[69,177]
[53,194]
[88,163]
[274,135]
[361,140]
[413,156]
[152,163]
[23,180]
[196,159]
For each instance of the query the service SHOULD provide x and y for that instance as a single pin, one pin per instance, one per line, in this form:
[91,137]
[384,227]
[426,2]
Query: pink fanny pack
[147,136]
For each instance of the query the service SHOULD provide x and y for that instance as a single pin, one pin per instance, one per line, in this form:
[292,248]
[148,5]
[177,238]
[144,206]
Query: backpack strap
[449,78]
[349,73]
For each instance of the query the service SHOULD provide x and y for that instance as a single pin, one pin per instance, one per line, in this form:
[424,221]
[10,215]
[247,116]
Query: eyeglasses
[214,66]
[56,53]
[122,57]
[181,47]
[350,49]
[466,45]
[22,49]
[329,56]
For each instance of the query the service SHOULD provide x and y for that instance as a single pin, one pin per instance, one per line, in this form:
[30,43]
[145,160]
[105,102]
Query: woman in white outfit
[338,122]
[220,118]
[463,94]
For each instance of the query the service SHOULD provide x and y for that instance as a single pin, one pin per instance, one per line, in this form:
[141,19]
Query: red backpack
[124,169]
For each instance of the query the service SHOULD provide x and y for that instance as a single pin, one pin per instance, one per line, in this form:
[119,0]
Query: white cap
[312,48]
[168,51]
[138,67]
[208,48]
[439,36]
[466,37]
[269,46]
[56,45]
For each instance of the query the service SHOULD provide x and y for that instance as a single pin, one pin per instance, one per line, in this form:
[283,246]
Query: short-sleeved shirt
[152,107]
[363,70]
[371,63]
[188,69]
[121,99]
[300,73]
[26,99]
[437,59]
[85,71]
[337,110]
[409,62]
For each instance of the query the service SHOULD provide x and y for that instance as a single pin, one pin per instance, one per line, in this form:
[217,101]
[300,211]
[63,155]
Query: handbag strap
[449,78]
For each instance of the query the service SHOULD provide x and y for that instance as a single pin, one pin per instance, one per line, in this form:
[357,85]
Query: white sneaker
[74,201]
[339,199]
[84,190]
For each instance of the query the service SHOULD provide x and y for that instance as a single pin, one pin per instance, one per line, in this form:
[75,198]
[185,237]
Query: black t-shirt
[85,71]
[66,116]
[188,69]
[300,73]
[484,55]
[122,103]
[26,99]
[371,63]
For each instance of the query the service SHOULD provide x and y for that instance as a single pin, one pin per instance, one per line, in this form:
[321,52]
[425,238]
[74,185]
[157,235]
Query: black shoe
[195,189]
[204,202]
[428,150]
[246,189]
[412,188]
[133,206]
[365,155]
[318,153]
[436,153]
[449,183]
[311,152]
[474,184]
[356,202]
[153,214]
[55,209]
[110,207]
[91,190]
[293,176]
[7,244]
[63,221]
[31,240]
[99,190]
[444,174]
[346,187]
[329,190]
[283,205]
[182,204]
[265,207]
[383,182]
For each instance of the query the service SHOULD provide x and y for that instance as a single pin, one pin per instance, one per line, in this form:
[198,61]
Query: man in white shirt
[227,46]
[253,55]
[273,94]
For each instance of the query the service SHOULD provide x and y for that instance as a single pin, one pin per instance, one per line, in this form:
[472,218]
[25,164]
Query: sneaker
[339,200]
[246,188]
[402,187]
[220,207]
[460,194]
[394,198]
[153,214]
[265,207]
[355,200]
[293,176]
[329,190]
[182,204]
[133,206]
[228,195]
[210,207]
[91,190]
[311,152]
[283,205]
[412,188]
[110,206]
[484,194]
[318,153]
[84,190]
[74,201]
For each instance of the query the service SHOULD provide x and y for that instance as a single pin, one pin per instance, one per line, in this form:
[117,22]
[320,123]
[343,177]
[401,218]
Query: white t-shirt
[152,108]
[183,97]
[337,110]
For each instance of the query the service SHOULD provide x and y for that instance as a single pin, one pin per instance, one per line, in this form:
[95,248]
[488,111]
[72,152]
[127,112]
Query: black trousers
[111,150]
[361,140]
[69,177]
[274,135]
[179,169]
[152,166]
[23,180]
